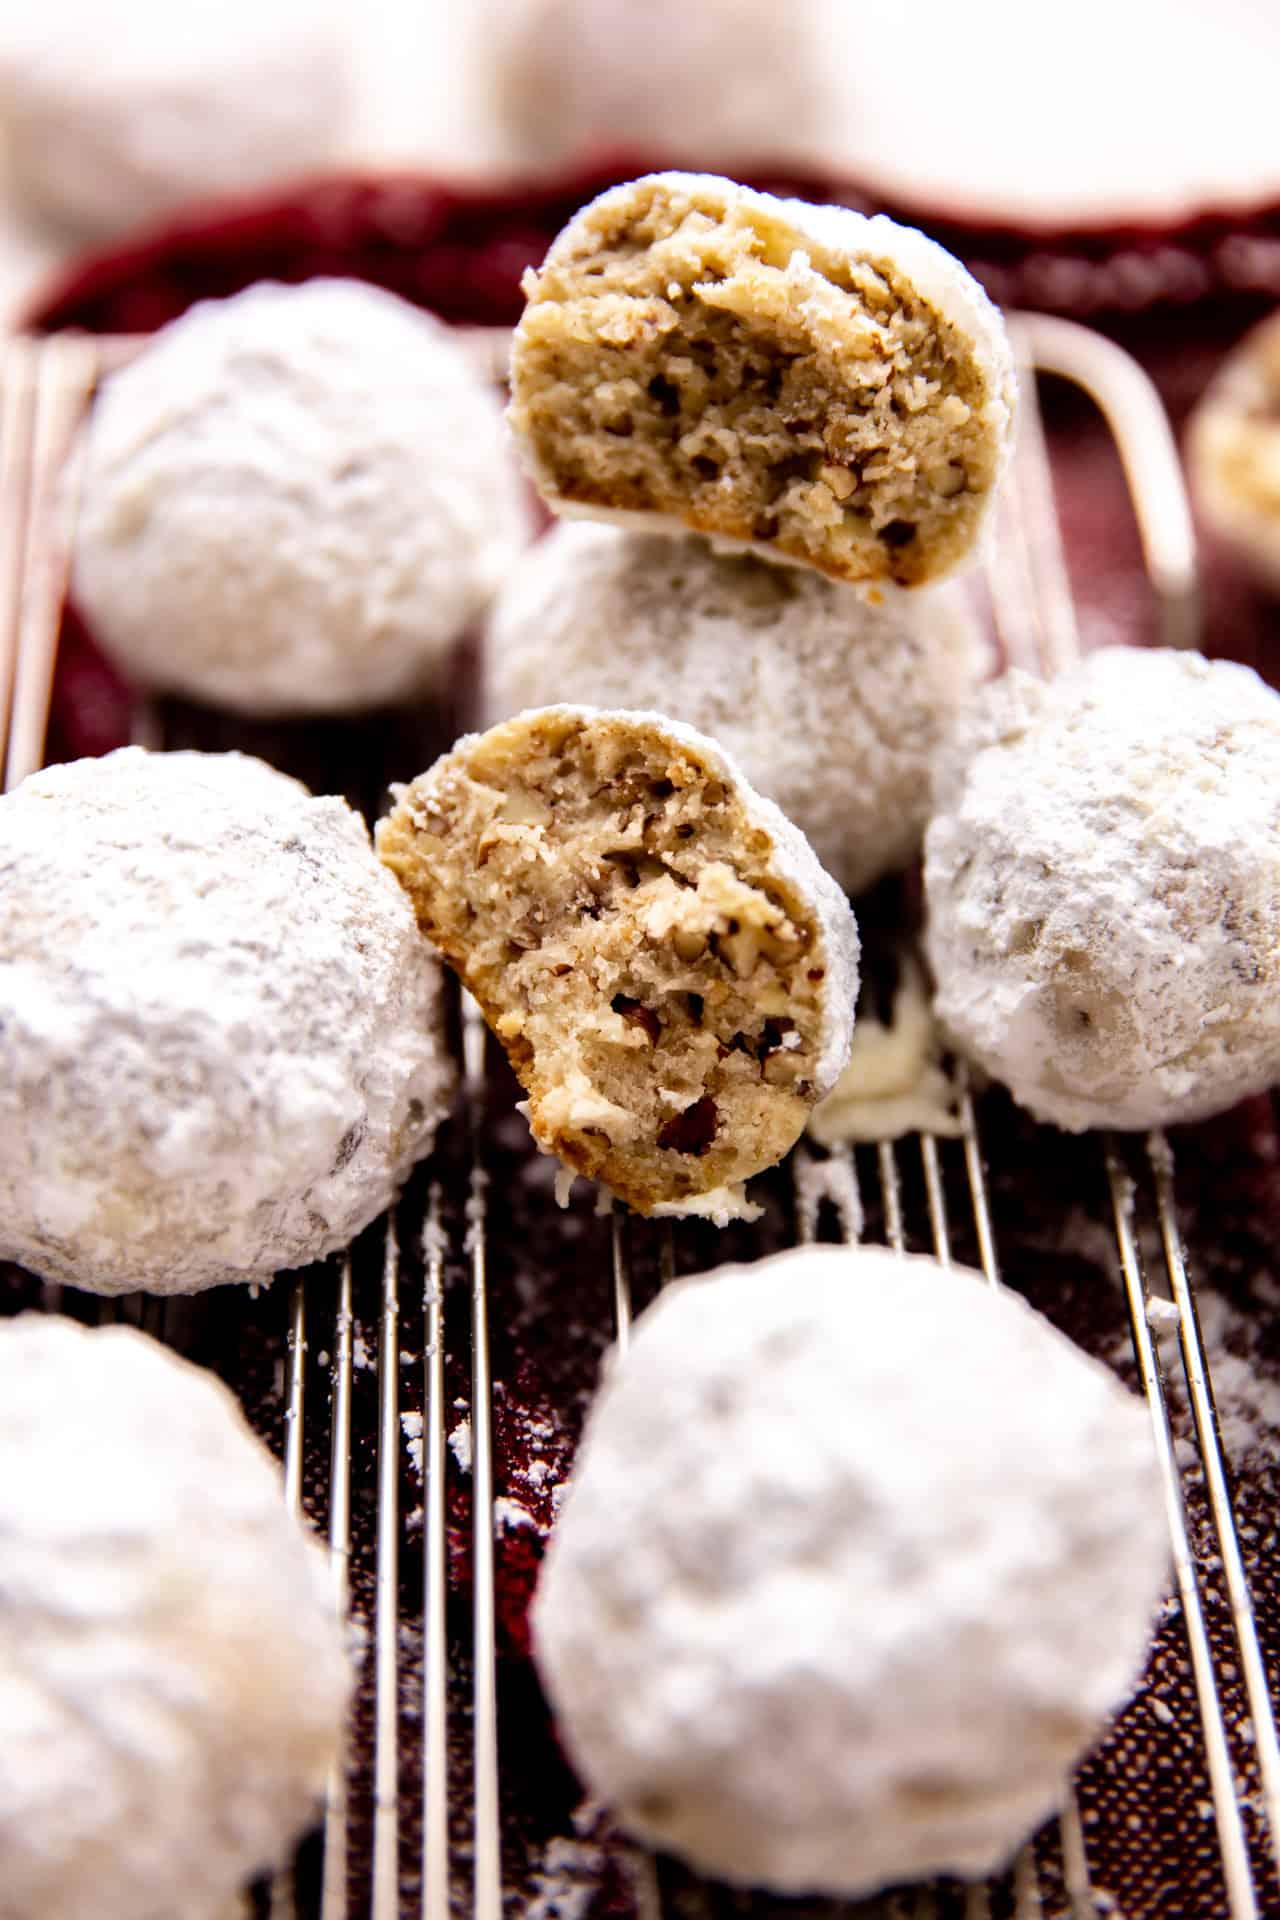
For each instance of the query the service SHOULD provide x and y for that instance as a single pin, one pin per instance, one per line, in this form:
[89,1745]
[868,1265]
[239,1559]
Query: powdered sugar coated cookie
[111,120]
[1103,889]
[857,1558]
[220,1043]
[172,1668]
[294,501]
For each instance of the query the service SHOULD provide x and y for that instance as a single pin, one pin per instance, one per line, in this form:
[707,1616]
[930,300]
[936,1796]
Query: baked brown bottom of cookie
[619,917]
[732,374]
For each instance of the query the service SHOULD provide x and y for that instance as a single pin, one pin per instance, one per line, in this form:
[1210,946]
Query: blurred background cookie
[110,119]
[722,84]
[1233,453]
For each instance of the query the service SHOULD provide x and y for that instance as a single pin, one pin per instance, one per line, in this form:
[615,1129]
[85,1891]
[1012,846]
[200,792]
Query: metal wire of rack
[44,390]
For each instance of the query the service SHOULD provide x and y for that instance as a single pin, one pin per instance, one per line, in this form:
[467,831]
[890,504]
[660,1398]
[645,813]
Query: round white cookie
[111,120]
[172,1669]
[1103,889]
[857,1557]
[833,707]
[220,1037]
[722,83]
[295,500]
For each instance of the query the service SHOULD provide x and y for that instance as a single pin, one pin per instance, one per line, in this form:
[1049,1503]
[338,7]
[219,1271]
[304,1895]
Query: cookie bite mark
[669,969]
[835,389]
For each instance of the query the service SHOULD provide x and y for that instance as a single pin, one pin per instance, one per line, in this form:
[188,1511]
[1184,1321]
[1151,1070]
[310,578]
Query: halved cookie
[670,970]
[833,390]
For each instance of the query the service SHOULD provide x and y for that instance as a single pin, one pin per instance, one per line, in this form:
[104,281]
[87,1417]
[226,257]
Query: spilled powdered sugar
[509,1514]
[411,1426]
[1246,1393]
[894,1083]
[460,1445]
[565,1881]
[1246,1381]
[568,1871]
[832,1182]
[1162,1315]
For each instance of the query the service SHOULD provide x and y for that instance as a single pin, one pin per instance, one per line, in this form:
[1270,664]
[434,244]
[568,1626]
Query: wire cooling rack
[427,1812]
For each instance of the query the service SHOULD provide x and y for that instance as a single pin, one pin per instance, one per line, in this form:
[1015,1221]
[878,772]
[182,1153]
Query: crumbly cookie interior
[603,893]
[726,369]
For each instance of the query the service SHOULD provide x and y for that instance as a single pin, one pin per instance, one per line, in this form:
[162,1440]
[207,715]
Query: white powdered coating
[720,82]
[220,1046]
[295,500]
[1103,888]
[108,125]
[460,1444]
[833,707]
[819,1620]
[411,1428]
[831,1182]
[1233,452]
[172,1671]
